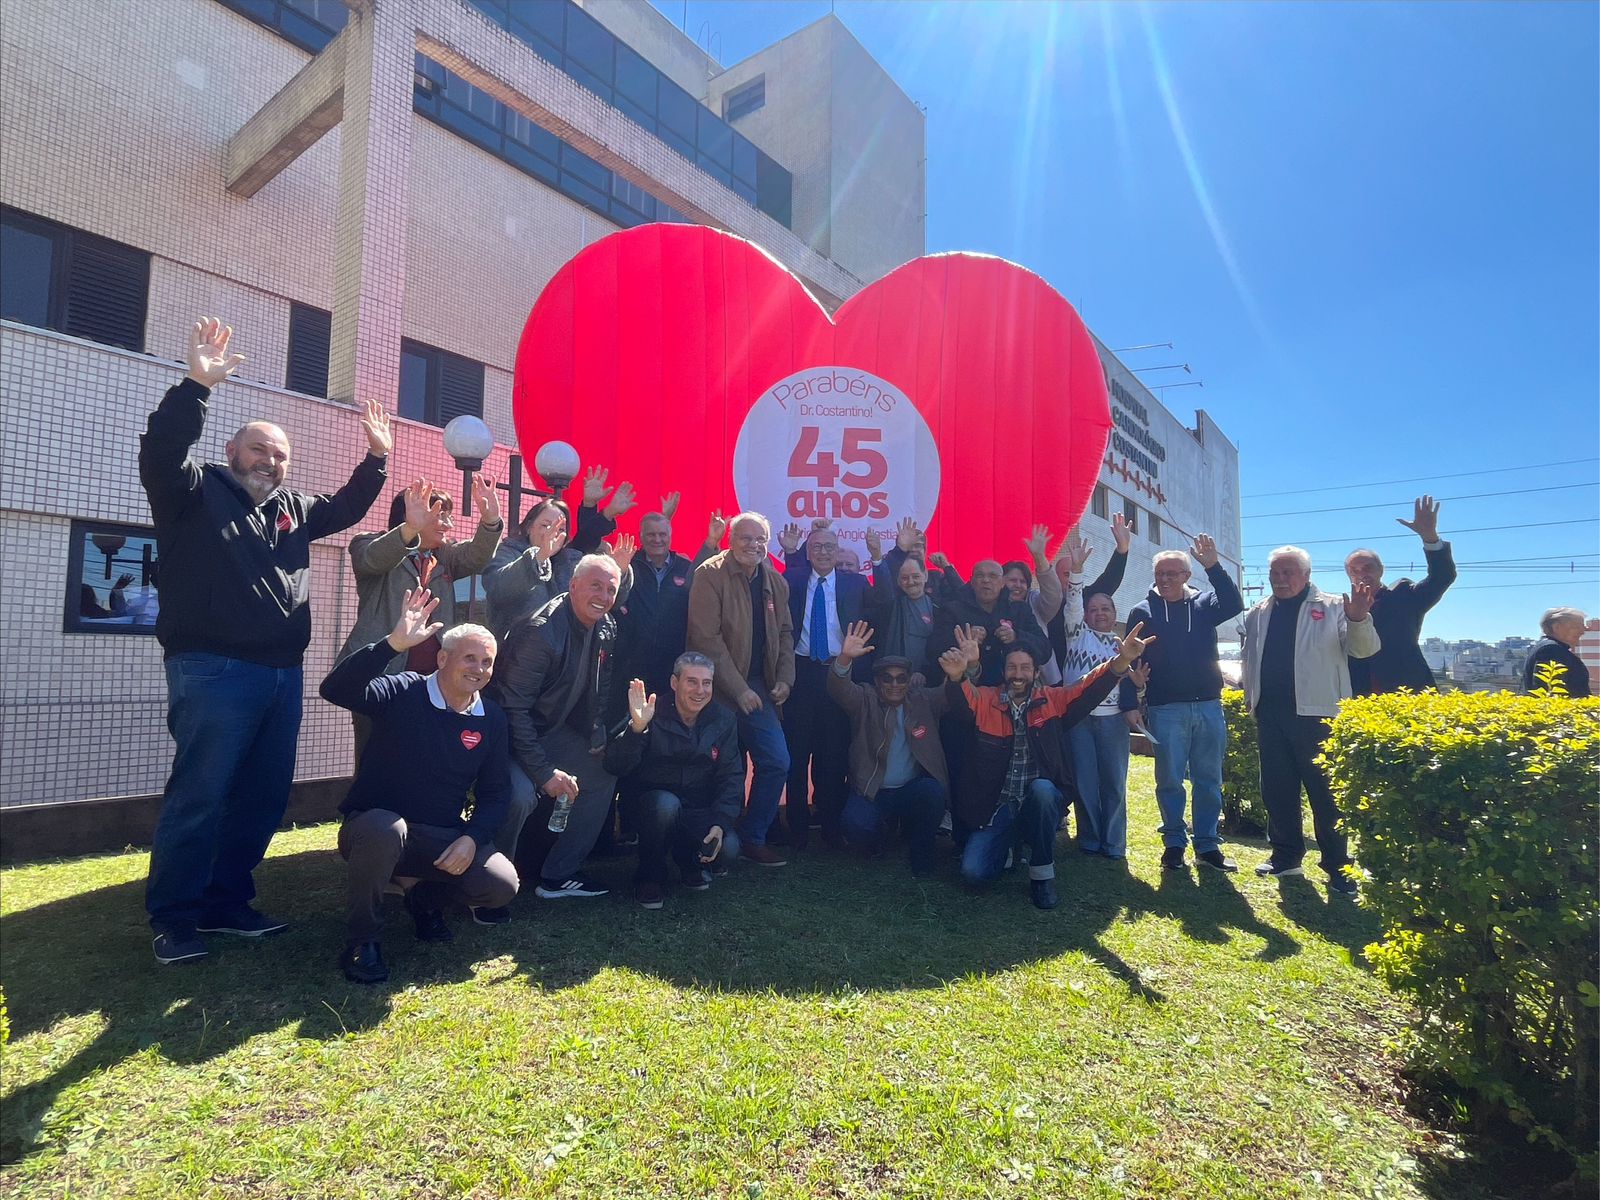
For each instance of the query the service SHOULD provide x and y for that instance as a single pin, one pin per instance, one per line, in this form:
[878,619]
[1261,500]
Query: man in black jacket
[433,739]
[1563,630]
[1397,611]
[555,669]
[653,619]
[235,552]
[683,776]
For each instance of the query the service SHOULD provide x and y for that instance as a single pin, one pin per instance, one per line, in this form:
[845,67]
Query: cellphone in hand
[708,848]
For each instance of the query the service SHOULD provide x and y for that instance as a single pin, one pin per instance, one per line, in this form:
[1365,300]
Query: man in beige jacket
[739,618]
[1297,643]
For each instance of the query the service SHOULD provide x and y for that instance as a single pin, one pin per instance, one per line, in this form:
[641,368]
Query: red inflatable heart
[959,389]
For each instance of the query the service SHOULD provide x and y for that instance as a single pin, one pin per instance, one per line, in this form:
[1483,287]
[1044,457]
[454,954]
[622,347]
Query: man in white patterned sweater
[1099,743]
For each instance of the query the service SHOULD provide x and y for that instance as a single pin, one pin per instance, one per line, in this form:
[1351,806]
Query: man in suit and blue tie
[823,602]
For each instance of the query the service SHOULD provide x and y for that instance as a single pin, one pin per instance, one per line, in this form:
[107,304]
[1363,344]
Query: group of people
[708,710]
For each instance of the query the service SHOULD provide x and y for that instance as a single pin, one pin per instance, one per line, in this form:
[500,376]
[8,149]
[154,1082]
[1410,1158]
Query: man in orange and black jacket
[1014,778]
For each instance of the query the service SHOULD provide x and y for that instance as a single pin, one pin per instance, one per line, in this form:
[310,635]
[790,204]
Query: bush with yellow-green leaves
[1241,769]
[1477,815]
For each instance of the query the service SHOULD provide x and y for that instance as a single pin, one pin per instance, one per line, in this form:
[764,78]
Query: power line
[1345,487]
[1472,587]
[1301,512]
[1385,537]
[1529,558]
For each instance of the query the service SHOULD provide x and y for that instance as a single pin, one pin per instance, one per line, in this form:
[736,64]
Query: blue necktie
[819,624]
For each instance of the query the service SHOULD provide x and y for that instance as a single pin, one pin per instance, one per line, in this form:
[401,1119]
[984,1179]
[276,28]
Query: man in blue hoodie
[1184,697]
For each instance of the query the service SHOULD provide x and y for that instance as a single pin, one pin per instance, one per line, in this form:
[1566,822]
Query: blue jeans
[1036,819]
[1100,764]
[1190,740]
[761,737]
[666,828]
[918,805]
[236,725]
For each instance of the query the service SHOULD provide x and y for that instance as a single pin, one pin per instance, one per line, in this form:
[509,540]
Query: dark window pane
[633,112]
[714,169]
[264,11]
[676,110]
[27,266]
[539,19]
[744,160]
[414,362]
[774,189]
[460,388]
[583,192]
[714,138]
[310,335]
[636,78]
[589,44]
[112,579]
[524,159]
[540,141]
[585,168]
[745,100]
[308,35]
[108,289]
[495,10]
[745,190]
[589,80]
[470,127]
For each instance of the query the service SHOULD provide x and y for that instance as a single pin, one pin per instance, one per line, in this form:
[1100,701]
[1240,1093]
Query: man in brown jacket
[897,765]
[739,619]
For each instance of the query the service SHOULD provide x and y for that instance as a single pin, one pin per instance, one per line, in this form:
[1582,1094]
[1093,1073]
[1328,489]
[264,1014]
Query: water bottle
[560,813]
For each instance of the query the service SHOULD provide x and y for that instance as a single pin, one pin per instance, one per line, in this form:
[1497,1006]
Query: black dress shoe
[1043,893]
[424,910]
[364,963]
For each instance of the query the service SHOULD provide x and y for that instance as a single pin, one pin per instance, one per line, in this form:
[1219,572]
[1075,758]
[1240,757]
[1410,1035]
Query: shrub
[1241,774]
[1476,815]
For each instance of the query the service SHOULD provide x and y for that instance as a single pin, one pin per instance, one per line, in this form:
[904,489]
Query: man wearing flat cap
[897,764]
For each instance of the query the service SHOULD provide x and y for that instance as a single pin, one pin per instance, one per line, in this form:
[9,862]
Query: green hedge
[1242,809]
[1476,815]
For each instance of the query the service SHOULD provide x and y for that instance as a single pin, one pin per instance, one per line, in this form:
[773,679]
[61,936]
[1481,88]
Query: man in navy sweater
[1184,697]
[235,548]
[434,737]
[1398,610]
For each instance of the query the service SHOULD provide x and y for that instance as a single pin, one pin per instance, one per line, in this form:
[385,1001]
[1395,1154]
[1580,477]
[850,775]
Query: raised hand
[969,640]
[419,513]
[1359,602]
[1425,519]
[122,582]
[939,560]
[548,544]
[907,535]
[715,528]
[874,545]
[375,424]
[1005,633]
[1075,550]
[857,641]
[621,501]
[789,538]
[622,550]
[1131,648]
[641,708]
[413,628]
[1036,542]
[669,504]
[954,663]
[485,498]
[594,486]
[1140,674]
[1120,531]
[209,360]
[1204,550]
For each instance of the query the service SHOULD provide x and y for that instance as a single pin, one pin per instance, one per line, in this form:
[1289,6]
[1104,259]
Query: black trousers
[818,735]
[1289,745]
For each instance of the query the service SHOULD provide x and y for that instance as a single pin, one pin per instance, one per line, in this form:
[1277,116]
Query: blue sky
[1370,228]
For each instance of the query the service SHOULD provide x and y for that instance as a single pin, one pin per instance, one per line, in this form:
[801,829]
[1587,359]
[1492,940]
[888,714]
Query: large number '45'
[822,466]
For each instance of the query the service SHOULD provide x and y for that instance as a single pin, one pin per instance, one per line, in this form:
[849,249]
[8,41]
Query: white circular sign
[840,443]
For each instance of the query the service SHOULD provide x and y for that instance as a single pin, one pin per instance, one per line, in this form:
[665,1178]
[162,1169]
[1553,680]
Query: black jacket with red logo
[700,764]
[1051,711]
[235,575]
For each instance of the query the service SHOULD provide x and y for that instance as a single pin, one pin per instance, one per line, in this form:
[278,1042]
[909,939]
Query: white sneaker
[569,889]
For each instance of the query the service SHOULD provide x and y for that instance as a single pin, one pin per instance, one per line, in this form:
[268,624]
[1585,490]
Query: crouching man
[434,737]
[897,764]
[1012,785]
[682,778]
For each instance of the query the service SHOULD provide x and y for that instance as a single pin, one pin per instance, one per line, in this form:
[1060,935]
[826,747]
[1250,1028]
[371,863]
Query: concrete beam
[289,124]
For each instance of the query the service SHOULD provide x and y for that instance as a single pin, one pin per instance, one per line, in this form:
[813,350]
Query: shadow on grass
[826,923]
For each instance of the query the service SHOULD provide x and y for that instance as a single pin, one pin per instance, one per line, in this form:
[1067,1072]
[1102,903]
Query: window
[310,335]
[309,24]
[1100,505]
[436,386]
[111,579]
[743,101]
[1130,512]
[61,278]
[1154,533]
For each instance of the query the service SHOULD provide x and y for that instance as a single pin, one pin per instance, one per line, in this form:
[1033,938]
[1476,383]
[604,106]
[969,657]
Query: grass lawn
[829,1029]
